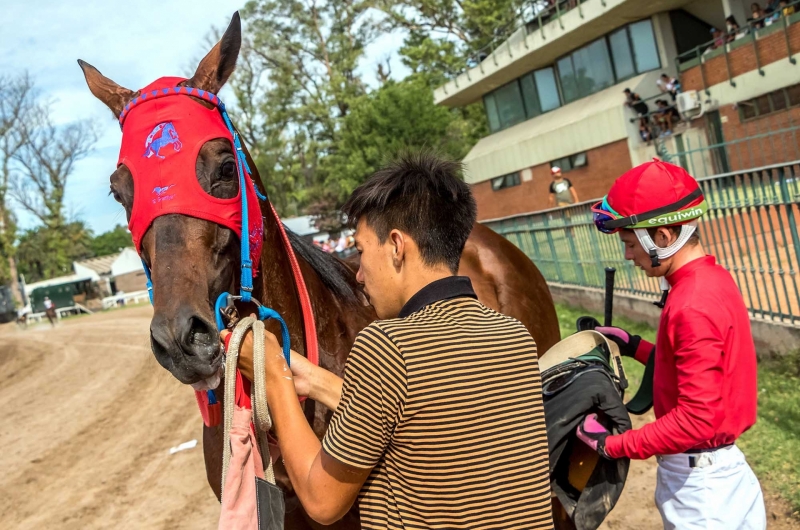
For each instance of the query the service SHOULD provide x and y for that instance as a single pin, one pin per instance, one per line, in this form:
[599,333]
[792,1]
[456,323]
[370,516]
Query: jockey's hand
[628,344]
[594,434]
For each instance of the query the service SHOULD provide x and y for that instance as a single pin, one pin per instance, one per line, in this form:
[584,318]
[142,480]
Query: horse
[192,261]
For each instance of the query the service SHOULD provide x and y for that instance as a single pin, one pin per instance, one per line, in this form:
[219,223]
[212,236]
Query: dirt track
[89,417]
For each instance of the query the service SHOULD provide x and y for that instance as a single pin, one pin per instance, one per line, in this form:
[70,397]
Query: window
[506,181]
[547,89]
[491,112]
[775,101]
[568,163]
[645,52]
[529,96]
[621,53]
[611,59]
[509,104]
[793,95]
[586,71]
[566,74]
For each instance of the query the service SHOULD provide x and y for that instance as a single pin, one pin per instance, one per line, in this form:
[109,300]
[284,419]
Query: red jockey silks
[163,131]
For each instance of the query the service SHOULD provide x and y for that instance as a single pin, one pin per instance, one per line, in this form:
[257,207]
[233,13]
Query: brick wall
[605,164]
[771,48]
[774,148]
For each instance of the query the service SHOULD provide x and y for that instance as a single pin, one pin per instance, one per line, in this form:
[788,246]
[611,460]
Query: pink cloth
[239,494]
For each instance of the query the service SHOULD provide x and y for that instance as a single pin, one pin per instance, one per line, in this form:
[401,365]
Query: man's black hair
[421,194]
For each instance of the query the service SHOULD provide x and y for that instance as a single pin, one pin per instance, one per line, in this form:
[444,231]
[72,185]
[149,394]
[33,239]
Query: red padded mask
[163,130]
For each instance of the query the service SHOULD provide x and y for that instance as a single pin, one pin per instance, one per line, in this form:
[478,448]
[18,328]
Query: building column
[738,9]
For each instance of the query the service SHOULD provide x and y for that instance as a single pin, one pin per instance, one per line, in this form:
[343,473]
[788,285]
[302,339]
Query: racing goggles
[608,221]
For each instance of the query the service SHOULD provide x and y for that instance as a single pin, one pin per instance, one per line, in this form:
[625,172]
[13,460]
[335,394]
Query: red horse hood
[163,131]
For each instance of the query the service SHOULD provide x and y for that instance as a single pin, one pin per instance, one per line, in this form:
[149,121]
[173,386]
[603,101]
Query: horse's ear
[114,96]
[216,67]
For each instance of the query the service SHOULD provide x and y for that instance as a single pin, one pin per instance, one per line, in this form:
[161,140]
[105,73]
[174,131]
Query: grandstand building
[553,95]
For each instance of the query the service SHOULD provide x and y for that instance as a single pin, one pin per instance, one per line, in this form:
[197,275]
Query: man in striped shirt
[439,421]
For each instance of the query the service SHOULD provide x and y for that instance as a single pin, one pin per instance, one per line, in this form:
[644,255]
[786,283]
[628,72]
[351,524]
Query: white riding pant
[720,493]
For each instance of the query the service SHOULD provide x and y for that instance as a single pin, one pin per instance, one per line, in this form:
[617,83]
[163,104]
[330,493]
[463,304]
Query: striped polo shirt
[444,404]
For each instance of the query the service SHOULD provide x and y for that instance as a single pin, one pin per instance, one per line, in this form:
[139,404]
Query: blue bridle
[246,278]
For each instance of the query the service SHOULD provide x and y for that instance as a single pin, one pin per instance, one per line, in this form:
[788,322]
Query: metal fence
[759,143]
[751,227]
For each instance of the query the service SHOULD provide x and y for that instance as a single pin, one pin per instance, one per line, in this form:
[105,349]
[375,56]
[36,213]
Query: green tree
[44,252]
[295,82]
[17,98]
[110,242]
[443,36]
[397,116]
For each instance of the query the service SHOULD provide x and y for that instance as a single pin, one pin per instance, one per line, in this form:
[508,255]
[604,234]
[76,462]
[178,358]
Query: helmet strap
[657,253]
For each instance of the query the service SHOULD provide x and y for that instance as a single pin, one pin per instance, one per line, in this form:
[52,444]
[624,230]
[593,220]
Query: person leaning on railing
[703,363]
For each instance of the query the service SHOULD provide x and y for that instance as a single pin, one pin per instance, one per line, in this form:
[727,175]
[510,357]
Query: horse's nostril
[200,334]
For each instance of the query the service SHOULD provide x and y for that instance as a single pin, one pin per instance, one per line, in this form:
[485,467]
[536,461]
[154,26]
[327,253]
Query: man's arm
[552,199]
[574,193]
[699,351]
[326,487]
[310,380]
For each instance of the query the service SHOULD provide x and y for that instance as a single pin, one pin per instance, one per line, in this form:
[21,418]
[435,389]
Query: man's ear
[664,237]
[398,242]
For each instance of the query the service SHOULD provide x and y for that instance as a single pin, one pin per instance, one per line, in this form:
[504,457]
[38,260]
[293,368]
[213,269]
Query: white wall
[82,271]
[128,261]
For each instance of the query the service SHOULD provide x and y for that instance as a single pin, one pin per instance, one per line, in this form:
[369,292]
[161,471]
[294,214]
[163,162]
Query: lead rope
[261,417]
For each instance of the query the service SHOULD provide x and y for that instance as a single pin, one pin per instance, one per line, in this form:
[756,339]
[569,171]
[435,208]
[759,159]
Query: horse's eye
[228,170]
[116,195]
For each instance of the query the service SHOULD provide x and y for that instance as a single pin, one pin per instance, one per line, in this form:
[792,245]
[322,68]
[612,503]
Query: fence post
[551,244]
[786,36]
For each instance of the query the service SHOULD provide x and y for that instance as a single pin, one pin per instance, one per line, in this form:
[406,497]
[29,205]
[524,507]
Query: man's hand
[303,372]
[592,433]
[274,362]
[628,344]
[309,380]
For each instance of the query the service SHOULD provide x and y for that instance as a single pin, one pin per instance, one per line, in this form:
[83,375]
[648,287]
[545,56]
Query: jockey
[704,384]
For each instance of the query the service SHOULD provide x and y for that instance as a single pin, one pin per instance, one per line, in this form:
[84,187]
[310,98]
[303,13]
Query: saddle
[583,374]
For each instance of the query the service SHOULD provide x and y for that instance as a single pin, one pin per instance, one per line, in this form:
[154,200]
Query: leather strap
[642,401]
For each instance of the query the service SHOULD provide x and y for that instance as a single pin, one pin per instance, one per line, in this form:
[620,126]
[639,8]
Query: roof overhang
[521,54]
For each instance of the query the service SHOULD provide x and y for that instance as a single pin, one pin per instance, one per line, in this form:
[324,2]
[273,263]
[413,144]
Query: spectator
[669,84]
[635,102]
[667,116]
[562,193]
[734,31]
[772,6]
[719,37]
[757,16]
[786,9]
[644,130]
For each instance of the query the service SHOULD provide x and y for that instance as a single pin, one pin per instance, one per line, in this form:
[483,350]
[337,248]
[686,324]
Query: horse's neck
[337,321]
[275,285]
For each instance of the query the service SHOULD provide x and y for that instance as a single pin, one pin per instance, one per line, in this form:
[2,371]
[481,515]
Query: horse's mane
[335,275]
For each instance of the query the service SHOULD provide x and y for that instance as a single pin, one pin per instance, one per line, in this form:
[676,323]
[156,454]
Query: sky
[129,42]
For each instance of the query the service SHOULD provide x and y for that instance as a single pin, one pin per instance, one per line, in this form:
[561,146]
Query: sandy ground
[89,418]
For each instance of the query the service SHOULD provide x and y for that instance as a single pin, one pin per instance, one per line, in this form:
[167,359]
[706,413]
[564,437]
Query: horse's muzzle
[187,345]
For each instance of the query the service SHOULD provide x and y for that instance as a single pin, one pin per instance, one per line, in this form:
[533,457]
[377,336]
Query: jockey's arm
[326,487]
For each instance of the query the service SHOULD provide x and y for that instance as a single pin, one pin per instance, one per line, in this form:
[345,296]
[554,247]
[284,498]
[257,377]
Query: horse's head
[191,257]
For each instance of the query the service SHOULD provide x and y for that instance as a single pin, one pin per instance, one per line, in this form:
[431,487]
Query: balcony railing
[747,36]
[533,16]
